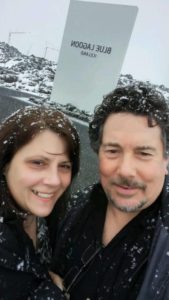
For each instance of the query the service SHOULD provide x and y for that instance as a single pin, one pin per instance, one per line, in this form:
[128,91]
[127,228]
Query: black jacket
[22,275]
[151,276]
[156,281]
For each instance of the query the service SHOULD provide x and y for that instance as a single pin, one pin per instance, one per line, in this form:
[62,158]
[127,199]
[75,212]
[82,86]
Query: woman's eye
[66,167]
[37,162]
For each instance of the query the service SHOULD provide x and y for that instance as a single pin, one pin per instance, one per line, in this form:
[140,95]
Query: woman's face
[39,173]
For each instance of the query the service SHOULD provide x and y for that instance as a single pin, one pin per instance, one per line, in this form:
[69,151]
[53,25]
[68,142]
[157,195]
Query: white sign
[94,44]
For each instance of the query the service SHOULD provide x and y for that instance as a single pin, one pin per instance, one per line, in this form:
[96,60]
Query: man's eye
[145,154]
[112,151]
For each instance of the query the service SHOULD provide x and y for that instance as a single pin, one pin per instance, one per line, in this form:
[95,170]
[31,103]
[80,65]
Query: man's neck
[115,220]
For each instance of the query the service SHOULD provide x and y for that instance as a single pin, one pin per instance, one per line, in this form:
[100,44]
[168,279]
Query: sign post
[94,44]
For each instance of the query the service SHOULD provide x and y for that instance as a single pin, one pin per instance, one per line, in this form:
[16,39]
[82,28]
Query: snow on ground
[36,75]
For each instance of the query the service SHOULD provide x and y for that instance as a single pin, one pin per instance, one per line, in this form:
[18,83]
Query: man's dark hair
[139,99]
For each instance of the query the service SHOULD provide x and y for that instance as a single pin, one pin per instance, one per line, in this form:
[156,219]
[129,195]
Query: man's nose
[127,167]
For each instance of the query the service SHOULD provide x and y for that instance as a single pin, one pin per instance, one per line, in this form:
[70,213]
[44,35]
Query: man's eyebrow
[110,144]
[146,148]
[138,148]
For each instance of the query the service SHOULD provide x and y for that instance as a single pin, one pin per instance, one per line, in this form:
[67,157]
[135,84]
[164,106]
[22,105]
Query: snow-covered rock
[36,75]
[23,72]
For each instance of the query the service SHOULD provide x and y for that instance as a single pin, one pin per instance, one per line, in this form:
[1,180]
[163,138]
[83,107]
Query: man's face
[131,162]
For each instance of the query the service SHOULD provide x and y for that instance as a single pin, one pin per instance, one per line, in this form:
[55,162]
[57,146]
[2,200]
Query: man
[114,242]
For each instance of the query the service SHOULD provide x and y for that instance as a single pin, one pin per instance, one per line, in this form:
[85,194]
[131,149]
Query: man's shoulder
[79,205]
[81,197]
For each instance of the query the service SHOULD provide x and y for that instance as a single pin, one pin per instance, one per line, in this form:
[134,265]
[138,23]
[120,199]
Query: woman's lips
[42,195]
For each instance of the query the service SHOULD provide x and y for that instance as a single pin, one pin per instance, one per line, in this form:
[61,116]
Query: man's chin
[129,207]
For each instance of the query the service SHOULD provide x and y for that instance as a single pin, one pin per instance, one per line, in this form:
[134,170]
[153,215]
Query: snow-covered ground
[36,75]
[25,73]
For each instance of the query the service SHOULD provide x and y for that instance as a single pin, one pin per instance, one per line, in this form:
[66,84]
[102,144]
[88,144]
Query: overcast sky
[41,23]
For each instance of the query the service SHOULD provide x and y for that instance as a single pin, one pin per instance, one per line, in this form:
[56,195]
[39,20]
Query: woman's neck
[30,228]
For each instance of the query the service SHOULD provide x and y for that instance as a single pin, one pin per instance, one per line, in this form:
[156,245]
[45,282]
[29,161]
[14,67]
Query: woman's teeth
[42,195]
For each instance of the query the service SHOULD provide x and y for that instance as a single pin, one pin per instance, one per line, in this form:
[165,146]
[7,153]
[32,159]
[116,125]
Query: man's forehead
[128,126]
[125,119]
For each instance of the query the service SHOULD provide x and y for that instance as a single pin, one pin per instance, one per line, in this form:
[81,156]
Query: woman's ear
[167,166]
[5,169]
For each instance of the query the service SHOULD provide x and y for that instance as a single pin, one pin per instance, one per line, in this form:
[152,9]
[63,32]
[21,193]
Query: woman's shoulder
[10,233]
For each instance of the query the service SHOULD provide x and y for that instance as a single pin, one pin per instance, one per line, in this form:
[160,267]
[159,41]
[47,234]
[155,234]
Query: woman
[39,157]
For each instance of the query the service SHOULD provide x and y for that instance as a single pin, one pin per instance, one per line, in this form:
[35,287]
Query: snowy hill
[28,73]
[36,75]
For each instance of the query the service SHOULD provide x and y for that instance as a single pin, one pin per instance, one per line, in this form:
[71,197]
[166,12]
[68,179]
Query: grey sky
[43,22]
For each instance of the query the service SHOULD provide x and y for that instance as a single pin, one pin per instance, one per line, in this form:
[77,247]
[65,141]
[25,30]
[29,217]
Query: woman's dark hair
[23,125]
[139,99]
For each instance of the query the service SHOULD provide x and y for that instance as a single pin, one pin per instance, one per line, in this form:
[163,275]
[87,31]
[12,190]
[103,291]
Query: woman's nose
[52,177]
